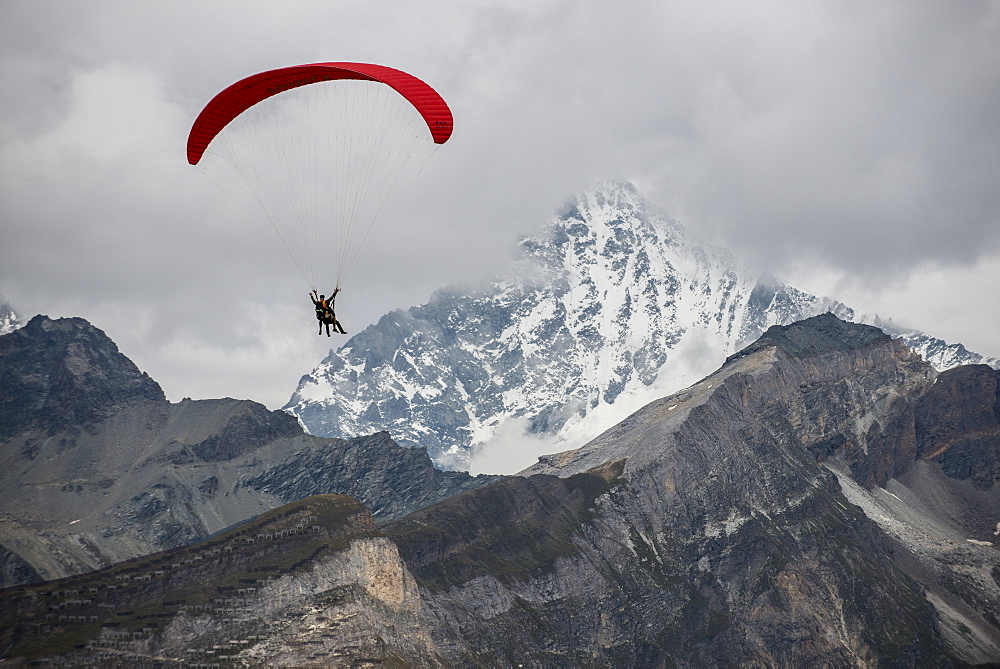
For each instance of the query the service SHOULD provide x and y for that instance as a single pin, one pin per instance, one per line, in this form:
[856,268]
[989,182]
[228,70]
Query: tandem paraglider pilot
[324,312]
[272,151]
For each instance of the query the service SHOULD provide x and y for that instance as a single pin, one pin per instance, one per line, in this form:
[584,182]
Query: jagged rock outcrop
[96,466]
[611,305]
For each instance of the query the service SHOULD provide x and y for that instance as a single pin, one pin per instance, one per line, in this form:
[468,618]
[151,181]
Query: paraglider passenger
[324,312]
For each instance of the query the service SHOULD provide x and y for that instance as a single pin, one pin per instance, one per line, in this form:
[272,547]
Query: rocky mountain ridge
[611,305]
[825,498]
[96,466]
[267,592]
[914,449]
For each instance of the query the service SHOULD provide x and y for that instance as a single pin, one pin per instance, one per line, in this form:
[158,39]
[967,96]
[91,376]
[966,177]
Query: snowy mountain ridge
[611,305]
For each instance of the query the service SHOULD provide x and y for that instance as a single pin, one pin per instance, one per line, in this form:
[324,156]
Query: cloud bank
[851,146]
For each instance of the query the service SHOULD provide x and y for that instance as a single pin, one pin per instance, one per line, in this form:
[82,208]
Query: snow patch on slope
[8,319]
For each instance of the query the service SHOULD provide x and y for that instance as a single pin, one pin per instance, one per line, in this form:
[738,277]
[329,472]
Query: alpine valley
[611,305]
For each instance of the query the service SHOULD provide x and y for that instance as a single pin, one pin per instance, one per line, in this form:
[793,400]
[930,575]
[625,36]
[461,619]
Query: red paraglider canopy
[245,93]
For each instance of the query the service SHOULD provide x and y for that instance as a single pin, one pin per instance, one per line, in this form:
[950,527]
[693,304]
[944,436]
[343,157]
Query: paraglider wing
[321,153]
[245,93]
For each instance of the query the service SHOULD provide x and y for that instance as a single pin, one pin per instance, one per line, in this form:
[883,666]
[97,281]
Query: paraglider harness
[324,311]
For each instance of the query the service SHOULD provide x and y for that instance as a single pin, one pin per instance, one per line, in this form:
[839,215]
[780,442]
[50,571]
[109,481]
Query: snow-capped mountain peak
[611,305]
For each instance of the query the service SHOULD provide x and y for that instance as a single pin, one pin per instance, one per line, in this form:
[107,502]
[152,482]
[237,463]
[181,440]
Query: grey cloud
[862,136]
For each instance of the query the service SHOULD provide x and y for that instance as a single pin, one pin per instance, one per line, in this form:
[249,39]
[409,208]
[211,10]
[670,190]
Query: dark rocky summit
[816,336]
[54,374]
[96,466]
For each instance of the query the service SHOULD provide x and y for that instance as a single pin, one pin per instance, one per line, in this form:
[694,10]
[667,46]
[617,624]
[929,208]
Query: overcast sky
[850,147]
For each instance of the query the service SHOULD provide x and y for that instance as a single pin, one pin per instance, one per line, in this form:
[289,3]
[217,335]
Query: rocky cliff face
[97,466]
[612,305]
[312,582]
